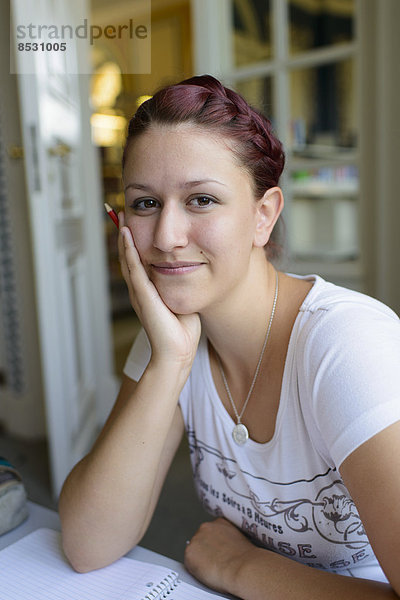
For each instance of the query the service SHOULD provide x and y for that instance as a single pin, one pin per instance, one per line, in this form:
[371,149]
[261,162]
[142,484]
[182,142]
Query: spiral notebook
[36,568]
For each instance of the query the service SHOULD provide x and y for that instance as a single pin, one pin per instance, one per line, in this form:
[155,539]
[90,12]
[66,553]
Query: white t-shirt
[341,386]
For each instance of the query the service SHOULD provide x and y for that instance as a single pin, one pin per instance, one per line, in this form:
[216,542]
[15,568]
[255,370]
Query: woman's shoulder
[346,354]
[334,316]
[328,298]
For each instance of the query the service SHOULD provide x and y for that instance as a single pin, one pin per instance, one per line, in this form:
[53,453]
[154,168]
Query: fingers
[128,254]
[122,256]
[131,266]
[142,292]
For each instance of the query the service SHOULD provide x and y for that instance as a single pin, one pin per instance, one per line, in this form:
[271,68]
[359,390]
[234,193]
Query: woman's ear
[269,207]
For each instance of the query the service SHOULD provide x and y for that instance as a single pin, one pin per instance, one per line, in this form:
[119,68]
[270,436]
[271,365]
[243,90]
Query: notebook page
[185,591]
[36,568]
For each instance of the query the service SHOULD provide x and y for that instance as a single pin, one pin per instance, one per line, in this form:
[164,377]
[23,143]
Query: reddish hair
[204,102]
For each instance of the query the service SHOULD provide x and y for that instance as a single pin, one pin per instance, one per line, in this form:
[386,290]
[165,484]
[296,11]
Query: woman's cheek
[211,237]
[140,235]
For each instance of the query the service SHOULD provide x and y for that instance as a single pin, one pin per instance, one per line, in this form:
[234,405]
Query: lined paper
[36,568]
[185,591]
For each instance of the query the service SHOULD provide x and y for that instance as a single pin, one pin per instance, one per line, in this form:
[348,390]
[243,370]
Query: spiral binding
[163,588]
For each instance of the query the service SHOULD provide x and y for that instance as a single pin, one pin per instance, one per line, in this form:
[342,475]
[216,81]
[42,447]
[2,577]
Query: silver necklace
[240,432]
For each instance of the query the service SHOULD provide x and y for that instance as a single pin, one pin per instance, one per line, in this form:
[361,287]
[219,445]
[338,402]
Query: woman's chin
[180,307]
[180,304]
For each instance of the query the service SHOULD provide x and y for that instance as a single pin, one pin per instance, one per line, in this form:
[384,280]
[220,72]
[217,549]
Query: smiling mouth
[177,268]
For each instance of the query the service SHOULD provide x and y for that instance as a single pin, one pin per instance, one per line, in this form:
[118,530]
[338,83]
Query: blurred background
[326,72]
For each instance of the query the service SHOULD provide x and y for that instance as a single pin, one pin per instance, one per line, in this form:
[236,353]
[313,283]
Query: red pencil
[112,214]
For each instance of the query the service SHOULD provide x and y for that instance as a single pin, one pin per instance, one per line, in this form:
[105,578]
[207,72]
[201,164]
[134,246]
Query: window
[296,60]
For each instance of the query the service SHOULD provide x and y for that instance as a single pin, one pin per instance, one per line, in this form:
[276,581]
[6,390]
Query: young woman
[288,387]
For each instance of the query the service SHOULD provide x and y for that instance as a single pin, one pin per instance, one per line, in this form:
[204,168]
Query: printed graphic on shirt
[311,520]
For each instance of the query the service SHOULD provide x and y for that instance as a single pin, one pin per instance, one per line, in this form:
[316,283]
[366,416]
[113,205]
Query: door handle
[15,152]
[60,150]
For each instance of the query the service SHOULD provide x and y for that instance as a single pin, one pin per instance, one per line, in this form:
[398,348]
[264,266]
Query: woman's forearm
[223,558]
[107,500]
[266,575]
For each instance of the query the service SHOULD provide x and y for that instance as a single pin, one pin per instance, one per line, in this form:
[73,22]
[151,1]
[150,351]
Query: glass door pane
[324,208]
[324,219]
[323,110]
[258,92]
[318,23]
[251,31]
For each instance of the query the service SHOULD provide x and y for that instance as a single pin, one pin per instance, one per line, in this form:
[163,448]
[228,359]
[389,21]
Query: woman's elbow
[80,566]
[82,557]
[86,559]
[86,555]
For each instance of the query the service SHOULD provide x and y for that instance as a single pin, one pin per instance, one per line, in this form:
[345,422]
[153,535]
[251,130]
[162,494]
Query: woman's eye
[145,204]
[202,201]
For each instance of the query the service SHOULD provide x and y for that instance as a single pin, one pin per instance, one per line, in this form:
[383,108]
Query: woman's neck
[236,328]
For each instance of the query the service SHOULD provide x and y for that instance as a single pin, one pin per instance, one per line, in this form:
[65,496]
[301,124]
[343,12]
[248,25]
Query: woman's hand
[216,553]
[172,337]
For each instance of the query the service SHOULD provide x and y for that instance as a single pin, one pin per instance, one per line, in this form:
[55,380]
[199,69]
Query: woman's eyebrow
[138,186]
[200,182]
[186,184]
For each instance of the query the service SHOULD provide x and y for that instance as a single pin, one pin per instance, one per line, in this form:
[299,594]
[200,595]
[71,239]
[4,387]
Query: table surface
[44,517]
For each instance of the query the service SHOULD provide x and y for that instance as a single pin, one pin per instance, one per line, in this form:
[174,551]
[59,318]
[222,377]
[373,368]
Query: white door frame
[75,405]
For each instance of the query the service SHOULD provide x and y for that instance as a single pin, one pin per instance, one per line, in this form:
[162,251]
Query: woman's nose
[171,230]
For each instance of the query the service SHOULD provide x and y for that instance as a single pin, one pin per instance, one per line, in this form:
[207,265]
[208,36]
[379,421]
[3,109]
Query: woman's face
[192,214]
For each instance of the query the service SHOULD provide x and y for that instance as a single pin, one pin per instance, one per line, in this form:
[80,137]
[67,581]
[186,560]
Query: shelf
[316,189]
[325,255]
[346,273]
[298,163]
[324,152]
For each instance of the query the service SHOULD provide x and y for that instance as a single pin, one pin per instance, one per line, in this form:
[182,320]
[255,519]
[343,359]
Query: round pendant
[240,434]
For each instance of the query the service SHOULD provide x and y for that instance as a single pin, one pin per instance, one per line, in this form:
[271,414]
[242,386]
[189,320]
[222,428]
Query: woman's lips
[176,268]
